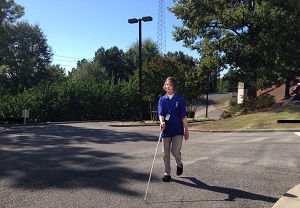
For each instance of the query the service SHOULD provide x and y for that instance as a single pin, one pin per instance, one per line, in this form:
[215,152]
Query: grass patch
[235,108]
[222,102]
[259,120]
[192,120]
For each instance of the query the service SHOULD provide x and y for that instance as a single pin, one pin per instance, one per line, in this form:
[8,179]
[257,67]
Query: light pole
[208,88]
[132,21]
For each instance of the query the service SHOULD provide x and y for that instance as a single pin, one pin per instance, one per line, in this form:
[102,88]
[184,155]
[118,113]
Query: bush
[250,105]
[233,101]
[265,101]
[67,101]
[254,104]
[226,114]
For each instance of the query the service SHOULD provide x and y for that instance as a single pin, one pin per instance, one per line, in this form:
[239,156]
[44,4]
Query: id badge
[167,117]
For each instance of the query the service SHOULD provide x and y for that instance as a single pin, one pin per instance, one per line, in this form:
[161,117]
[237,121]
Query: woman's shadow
[232,193]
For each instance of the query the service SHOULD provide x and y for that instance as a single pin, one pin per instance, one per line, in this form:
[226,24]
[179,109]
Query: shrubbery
[67,101]
[254,104]
[226,114]
[250,105]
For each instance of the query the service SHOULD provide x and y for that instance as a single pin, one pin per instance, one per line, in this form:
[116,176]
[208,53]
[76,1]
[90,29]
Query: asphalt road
[212,112]
[93,165]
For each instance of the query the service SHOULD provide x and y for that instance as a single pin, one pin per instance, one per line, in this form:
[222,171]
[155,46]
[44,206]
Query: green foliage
[154,76]
[243,35]
[149,52]
[233,104]
[229,82]
[10,11]
[226,114]
[105,87]
[112,60]
[25,55]
[234,109]
[156,72]
[254,104]
[88,70]
[249,105]
[67,101]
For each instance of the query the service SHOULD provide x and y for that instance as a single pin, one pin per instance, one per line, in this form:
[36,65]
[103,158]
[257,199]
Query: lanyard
[171,105]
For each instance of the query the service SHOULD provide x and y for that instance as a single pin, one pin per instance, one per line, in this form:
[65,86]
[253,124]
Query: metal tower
[161,27]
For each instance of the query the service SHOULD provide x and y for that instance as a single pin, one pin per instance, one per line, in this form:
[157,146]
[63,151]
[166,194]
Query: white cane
[152,166]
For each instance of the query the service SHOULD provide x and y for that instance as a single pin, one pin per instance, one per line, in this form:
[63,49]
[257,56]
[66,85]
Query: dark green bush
[232,101]
[265,101]
[67,101]
[254,104]
[250,105]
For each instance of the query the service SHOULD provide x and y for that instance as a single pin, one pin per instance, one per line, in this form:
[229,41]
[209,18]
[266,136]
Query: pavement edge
[291,199]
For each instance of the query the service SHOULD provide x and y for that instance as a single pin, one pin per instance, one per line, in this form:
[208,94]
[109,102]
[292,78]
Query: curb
[291,199]
[112,124]
[244,130]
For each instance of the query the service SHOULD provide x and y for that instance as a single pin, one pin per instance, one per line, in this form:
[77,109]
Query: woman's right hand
[162,126]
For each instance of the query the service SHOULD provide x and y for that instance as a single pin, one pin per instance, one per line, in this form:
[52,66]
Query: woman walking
[174,126]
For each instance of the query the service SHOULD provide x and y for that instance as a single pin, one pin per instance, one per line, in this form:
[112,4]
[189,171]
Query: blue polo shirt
[176,108]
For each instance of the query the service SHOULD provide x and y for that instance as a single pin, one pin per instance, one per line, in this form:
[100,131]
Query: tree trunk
[252,91]
[150,111]
[287,88]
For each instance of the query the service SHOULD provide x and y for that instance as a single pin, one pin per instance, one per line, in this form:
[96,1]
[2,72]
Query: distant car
[296,89]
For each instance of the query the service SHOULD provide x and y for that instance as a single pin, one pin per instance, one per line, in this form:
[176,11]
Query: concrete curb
[113,124]
[290,199]
[245,130]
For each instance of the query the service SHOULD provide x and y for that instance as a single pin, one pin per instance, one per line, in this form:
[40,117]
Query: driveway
[212,112]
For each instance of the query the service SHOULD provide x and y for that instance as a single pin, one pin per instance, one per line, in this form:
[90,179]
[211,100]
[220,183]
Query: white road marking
[297,133]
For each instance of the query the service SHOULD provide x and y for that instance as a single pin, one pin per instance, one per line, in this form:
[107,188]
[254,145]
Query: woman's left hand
[186,135]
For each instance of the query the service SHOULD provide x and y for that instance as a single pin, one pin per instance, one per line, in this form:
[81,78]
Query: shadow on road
[64,157]
[232,193]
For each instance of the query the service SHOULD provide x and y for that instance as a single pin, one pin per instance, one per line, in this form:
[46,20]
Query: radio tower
[161,27]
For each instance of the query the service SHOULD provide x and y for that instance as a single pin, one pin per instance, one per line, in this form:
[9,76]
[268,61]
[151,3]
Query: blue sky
[76,29]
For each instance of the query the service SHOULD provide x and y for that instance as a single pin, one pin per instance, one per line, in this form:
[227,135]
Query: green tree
[26,57]
[288,55]
[242,34]
[229,82]
[56,73]
[87,70]
[155,73]
[182,58]
[10,11]
[149,52]
[189,74]
[112,60]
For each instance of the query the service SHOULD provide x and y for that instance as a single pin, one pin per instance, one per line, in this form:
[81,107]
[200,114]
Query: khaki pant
[171,145]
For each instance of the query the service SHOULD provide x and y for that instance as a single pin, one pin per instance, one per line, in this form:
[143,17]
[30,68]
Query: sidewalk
[290,199]
[212,112]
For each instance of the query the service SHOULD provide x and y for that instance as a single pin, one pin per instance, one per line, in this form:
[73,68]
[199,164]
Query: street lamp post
[132,21]
[208,88]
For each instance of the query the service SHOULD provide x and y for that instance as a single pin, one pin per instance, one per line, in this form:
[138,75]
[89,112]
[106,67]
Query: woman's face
[169,87]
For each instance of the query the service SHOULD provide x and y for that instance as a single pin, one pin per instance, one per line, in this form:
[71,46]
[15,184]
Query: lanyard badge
[168,115]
